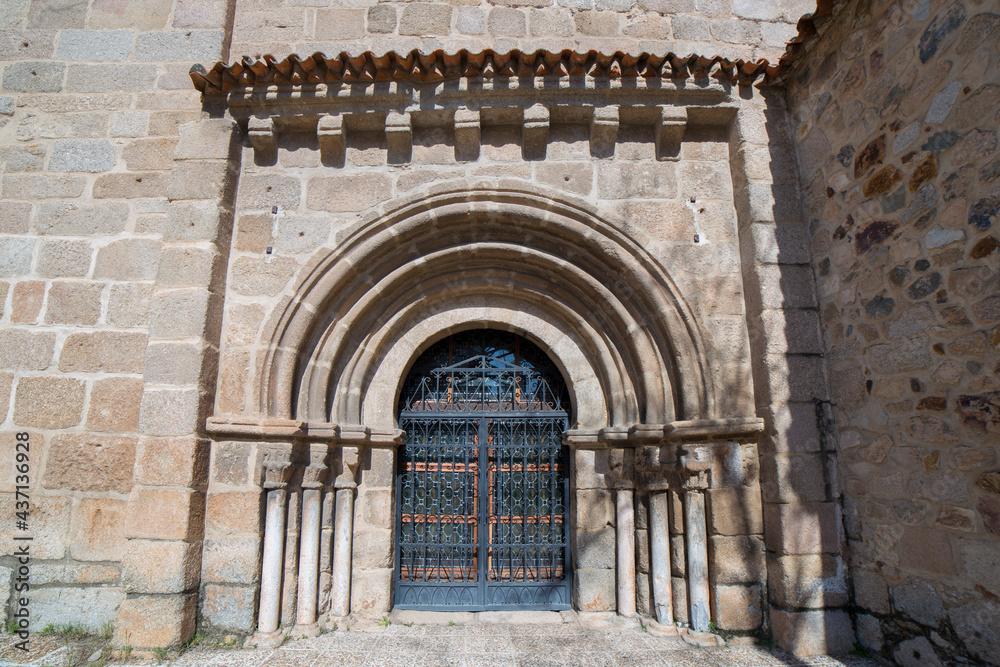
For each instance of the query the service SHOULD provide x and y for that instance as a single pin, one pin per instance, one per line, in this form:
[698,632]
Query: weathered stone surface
[234,512]
[162,514]
[594,590]
[916,652]
[50,521]
[71,219]
[346,193]
[978,625]
[739,607]
[229,608]
[812,632]
[927,550]
[803,529]
[85,462]
[114,405]
[128,305]
[73,303]
[98,529]
[172,462]
[735,511]
[155,620]
[981,562]
[48,402]
[34,77]
[920,602]
[160,567]
[128,259]
[21,349]
[256,276]
[63,259]
[82,155]
[103,351]
[870,591]
[88,608]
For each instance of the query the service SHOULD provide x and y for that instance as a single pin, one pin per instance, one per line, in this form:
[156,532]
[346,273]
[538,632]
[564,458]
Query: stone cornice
[637,435]
[238,427]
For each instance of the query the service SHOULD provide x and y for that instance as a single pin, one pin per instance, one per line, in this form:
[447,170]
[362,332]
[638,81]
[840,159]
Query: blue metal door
[483,487]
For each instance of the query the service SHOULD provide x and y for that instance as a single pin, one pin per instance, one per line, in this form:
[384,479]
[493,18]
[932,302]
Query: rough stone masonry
[773,292]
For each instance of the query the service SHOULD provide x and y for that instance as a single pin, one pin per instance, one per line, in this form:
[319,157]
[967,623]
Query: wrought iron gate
[483,487]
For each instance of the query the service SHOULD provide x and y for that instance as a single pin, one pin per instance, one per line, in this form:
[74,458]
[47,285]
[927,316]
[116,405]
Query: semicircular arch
[527,251]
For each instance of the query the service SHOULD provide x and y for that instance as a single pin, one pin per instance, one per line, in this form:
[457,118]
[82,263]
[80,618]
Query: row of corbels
[669,123]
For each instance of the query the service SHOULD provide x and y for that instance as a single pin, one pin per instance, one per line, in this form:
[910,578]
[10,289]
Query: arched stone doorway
[482,488]
[658,440]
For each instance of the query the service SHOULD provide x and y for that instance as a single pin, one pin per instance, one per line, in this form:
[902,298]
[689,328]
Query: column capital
[347,469]
[277,467]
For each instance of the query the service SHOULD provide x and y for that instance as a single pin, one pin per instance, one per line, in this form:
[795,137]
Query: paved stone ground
[474,644]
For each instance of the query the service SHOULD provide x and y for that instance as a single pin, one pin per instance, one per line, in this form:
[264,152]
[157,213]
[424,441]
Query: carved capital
[278,468]
[347,471]
[622,465]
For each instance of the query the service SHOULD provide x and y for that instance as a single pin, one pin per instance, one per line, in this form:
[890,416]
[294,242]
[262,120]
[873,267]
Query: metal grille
[483,486]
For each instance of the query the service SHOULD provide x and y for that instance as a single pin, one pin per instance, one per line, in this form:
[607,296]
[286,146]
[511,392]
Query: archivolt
[461,256]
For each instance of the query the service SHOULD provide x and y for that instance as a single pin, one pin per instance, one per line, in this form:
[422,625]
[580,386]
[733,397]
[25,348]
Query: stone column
[625,564]
[326,551]
[276,474]
[659,531]
[621,463]
[697,559]
[343,531]
[312,500]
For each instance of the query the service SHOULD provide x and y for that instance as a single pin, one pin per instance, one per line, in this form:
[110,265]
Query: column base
[331,623]
[267,639]
[305,631]
[662,629]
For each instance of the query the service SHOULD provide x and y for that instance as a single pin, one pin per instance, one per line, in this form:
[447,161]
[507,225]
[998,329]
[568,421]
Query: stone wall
[895,122]
[91,98]
[747,29]
[302,205]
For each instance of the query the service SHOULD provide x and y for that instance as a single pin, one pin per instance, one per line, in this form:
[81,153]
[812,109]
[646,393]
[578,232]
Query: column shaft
[343,530]
[697,559]
[625,521]
[309,558]
[659,539]
[270,577]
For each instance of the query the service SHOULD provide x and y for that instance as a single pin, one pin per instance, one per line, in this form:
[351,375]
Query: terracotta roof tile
[420,67]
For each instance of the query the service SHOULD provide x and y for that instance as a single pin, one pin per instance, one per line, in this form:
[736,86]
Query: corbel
[264,139]
[604,131]
[468,128]
[668,132]
[330,135]
[399,137]
[535,131]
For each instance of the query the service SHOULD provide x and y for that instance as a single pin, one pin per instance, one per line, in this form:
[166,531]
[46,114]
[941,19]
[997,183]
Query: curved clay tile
[438,65]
